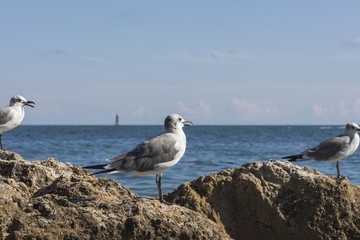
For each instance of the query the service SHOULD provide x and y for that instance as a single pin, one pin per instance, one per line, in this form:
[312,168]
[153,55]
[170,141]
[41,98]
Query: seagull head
[175,121]
[352,128]
[20,101]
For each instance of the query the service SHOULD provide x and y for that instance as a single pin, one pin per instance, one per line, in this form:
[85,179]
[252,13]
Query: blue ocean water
[210,149]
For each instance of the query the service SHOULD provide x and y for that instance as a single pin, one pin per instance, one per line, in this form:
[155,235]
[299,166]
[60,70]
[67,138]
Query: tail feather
[101,166]
[105,171]
[293,158]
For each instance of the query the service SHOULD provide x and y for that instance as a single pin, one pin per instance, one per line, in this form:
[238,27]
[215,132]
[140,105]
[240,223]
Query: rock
[51,200]
[275,200]
[264,200]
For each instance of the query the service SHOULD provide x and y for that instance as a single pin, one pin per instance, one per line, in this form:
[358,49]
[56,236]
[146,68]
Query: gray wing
[147,154]
[327,149]
[4,115]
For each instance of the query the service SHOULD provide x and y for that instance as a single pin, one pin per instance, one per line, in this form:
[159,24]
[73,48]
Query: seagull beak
[28,103]
[188,123]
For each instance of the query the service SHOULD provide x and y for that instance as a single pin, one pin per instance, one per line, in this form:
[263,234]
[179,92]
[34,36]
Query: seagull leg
[158,184]
[339,177]
[338,168]
[1,142]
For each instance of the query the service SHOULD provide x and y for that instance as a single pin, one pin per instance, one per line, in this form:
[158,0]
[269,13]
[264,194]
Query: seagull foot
[339,179]
[152,198]
[165,202]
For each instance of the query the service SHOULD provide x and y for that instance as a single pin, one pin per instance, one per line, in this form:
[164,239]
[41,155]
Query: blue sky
[214,62]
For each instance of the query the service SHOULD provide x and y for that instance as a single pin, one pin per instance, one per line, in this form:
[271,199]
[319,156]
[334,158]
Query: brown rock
[265,200]
[51,200]
[275,200]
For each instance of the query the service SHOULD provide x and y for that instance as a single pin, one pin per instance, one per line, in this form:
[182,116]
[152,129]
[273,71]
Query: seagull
[12,116]
[333,149]
[153,156]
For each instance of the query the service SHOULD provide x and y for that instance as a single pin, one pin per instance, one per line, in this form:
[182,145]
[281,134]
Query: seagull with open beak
[12,115]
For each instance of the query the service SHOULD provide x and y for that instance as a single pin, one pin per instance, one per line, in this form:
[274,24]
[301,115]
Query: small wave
[331,127]
[325,127]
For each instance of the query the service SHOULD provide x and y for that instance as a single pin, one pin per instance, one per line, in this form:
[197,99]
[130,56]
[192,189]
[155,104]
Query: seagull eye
[179,119]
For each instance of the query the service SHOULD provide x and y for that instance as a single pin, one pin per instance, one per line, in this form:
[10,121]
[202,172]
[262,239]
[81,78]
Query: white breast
[16,116]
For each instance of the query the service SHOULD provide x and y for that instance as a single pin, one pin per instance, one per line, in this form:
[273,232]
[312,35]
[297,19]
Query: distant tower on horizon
[117,120]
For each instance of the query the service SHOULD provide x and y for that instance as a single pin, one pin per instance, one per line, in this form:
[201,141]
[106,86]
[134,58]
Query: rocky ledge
[51,200]
[264,200]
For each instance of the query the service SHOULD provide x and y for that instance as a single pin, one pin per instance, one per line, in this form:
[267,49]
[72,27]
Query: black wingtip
[292,158]
[101,166]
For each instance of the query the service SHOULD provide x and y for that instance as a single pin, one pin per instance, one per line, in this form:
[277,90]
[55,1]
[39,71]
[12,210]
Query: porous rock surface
[275,200]
[263,200]
[51,200]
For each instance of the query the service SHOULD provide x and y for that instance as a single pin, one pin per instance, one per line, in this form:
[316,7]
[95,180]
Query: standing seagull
[12,116]
[333,149]
[153,156]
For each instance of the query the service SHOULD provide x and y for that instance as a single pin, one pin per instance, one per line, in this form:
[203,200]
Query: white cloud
[140,111]
[317,110]
[349,56]
[205,108]
[351,50]
[356,106]
[200,111]
[343,109]
[248,109]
